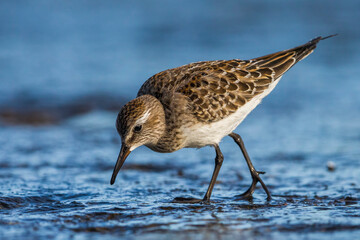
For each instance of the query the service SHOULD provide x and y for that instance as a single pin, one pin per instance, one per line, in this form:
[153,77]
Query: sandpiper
[198,104]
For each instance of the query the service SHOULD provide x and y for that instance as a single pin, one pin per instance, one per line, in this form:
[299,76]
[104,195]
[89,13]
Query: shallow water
[67,69]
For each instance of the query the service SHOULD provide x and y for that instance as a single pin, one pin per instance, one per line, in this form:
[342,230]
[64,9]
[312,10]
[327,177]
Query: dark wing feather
[216,89]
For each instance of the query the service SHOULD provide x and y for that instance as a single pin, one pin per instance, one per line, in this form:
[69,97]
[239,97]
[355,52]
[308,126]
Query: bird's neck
[157,116]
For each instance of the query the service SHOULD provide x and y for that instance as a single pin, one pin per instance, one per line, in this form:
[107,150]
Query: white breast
[200,135]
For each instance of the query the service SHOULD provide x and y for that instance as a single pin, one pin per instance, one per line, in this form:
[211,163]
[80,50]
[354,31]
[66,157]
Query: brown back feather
[216,89]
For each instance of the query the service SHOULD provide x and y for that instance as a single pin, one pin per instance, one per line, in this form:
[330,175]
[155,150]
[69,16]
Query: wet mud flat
[55,184]
[67,68]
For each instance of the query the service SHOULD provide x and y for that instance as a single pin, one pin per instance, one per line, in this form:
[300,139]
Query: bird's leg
[254,174]
[218,162]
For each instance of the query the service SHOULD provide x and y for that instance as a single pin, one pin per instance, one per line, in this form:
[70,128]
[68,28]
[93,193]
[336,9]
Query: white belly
[201,135]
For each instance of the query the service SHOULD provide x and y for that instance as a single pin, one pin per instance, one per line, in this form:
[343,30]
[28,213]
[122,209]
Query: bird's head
[140,122]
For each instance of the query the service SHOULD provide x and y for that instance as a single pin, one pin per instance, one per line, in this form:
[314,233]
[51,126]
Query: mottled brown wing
[220,88]
[216,89]
[223,87]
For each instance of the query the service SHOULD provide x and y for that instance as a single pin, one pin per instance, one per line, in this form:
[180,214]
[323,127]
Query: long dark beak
[124,152]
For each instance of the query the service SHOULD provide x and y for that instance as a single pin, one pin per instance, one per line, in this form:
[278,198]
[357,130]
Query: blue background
[66,68]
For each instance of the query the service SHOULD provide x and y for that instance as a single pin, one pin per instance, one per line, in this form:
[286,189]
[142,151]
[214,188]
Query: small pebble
[331,166]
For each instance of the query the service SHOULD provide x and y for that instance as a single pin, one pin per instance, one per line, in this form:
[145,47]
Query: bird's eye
[137,128]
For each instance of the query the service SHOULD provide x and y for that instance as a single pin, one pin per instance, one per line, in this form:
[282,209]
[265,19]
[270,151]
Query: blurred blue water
[54,179]
[63,49]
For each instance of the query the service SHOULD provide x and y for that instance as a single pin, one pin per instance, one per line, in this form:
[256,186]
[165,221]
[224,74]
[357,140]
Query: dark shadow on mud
[34,111]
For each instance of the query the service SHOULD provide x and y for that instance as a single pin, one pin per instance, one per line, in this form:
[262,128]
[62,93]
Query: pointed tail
[284,60]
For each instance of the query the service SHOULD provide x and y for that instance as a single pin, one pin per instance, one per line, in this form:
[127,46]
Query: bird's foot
[247,195]
[189,200]
[256,178]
